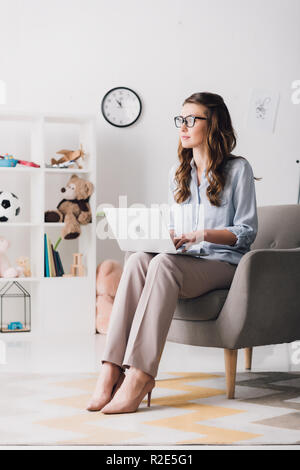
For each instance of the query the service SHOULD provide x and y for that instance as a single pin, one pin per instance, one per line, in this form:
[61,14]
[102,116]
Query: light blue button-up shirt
[237,212]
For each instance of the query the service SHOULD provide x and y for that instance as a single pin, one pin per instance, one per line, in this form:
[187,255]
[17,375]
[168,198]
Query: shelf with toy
[15,308]
[12,197]
[69,143]
[36,138]
[20,200]
[63,146]
[15,138]
[59,256]
[67,218]
[16,260]
[21,142]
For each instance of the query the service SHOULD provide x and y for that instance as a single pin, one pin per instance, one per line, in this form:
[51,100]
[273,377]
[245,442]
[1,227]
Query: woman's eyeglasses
[189,120]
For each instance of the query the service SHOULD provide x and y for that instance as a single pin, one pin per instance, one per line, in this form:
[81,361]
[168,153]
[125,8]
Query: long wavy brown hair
[220,140]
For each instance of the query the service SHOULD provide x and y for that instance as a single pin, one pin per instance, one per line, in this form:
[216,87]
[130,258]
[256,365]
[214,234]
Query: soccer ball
[9,206]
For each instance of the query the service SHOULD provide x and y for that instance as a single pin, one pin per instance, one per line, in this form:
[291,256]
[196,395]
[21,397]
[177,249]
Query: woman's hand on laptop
[189,239]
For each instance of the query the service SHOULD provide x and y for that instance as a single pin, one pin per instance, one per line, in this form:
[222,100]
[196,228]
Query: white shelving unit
[58,304]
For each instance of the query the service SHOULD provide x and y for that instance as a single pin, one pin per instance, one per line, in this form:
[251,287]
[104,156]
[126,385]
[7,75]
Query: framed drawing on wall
[262,110]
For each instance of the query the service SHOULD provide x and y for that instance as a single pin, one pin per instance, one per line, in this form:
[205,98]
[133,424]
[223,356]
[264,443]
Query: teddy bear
[108,275]
[74,209]
[6,270]
[23,262]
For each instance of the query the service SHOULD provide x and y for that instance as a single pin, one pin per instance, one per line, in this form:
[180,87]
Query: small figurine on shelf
[15,325]
[6,270]
[9,206]
[77,268]
[69,156]
[23,262]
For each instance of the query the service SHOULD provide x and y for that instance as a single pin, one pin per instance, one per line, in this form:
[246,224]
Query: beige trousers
[146,299]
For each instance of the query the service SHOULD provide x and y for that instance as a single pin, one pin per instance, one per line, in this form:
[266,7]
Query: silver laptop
[143,229]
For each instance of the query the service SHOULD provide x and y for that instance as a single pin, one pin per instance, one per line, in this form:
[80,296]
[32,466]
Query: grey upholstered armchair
[261,307]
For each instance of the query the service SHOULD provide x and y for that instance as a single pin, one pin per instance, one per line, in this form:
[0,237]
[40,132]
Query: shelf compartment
[27,186]
[22,136]
[68,133]
[24,242]
[67,248]
[15,307]
[15,138]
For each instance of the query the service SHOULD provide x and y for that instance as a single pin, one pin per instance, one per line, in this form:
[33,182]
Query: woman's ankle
[111,366]
[140,373]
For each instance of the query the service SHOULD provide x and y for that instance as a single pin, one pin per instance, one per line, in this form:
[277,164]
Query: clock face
[121,107]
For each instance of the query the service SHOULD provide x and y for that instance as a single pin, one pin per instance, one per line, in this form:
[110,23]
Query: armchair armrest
[263,303]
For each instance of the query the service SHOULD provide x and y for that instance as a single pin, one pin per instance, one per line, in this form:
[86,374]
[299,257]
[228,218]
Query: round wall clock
[121,106]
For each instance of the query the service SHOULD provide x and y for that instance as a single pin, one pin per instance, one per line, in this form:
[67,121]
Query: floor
[46,385]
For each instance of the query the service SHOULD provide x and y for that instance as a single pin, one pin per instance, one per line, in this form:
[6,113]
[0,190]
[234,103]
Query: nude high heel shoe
[131,406]
[117,385]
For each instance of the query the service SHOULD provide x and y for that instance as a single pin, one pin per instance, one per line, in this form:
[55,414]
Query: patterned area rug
[186,408]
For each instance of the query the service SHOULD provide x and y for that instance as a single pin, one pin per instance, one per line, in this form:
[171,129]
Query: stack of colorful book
[52,263]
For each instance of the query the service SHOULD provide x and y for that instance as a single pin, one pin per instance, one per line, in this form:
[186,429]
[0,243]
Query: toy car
[16,325]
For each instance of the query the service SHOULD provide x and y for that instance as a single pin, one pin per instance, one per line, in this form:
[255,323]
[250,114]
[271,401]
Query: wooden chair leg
[230,356]
[248,358]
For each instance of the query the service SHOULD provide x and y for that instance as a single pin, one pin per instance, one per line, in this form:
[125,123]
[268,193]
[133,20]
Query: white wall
[63,55]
